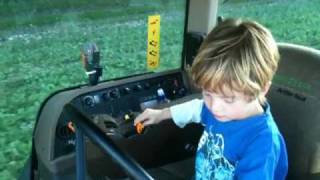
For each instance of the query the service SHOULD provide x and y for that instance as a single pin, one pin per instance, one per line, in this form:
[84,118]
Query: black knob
[114,94]
[88,101]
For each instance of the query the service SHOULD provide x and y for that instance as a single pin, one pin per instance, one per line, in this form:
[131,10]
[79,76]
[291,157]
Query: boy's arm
[186,112]
[181,114]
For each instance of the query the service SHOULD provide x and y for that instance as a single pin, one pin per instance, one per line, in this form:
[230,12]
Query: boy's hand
[152,116]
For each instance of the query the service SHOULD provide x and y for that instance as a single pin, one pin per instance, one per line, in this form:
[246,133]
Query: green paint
[292,83]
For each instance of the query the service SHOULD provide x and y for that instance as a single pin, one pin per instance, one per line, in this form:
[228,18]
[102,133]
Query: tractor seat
[294,99]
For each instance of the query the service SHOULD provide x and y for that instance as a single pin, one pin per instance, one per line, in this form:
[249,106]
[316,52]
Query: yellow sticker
[153,51]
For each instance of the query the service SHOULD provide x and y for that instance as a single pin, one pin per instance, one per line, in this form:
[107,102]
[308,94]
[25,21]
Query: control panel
[114,109]
[133,97]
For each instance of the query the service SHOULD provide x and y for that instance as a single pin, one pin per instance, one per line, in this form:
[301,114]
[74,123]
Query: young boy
[234,69]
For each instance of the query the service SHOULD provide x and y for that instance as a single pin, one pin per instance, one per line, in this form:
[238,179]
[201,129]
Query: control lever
[140,128]
[117,127]
[127,129]
[130,117]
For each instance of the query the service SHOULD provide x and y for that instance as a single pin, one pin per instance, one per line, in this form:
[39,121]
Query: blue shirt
[251,148]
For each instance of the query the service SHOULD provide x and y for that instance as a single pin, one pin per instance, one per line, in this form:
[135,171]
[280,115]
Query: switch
[161,96]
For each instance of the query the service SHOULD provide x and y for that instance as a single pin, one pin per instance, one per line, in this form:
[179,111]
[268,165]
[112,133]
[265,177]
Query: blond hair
[239,55]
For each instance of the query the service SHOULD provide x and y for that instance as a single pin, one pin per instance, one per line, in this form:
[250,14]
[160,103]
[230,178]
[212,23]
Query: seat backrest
[295,100]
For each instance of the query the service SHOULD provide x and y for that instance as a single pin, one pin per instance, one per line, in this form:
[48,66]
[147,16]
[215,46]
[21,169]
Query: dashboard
[113,110]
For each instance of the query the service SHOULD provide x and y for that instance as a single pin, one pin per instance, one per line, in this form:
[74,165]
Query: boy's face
[231,105]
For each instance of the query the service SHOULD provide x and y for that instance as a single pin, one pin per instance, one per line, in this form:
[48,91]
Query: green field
[40,47]
[40,54]
[294,21]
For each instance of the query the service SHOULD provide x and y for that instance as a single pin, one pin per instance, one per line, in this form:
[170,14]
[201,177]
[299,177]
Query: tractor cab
[87,69]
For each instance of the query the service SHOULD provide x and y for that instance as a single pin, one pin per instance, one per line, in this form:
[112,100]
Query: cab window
[40,44]
[291,21]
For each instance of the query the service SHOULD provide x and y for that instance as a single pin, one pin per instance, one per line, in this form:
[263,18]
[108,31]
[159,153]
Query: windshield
[40,44]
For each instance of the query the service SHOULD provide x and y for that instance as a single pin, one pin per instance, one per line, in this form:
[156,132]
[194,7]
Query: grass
[41,18]
[41,54]
[294,21]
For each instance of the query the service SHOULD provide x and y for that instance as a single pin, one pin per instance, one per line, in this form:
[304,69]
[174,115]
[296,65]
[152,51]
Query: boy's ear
[266,88]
